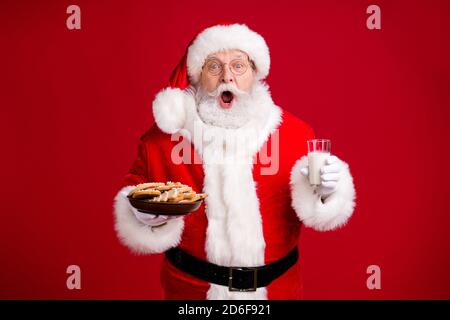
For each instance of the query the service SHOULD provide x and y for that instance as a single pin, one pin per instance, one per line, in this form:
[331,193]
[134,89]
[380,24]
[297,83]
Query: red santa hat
[219,37]
[168,107]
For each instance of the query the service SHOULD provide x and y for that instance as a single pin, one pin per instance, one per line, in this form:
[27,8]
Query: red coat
[250,217]
[281,225]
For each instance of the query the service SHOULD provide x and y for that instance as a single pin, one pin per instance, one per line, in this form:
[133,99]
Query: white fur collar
[234,234]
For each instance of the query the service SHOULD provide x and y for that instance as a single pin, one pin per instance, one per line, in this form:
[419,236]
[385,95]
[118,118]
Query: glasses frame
[222,64]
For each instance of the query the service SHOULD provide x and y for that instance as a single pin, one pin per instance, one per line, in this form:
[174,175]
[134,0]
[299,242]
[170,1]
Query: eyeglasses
[215,67]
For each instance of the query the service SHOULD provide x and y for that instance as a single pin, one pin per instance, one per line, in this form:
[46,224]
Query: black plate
[165,208]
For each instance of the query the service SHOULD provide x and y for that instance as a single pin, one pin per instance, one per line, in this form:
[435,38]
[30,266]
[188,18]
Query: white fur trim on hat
[169,109]
[338,206]
[142,238]
[224,37]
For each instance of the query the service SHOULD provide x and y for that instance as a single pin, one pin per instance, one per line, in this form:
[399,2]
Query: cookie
[163,197]
[171,183]
[194,198]
[176,199]
[188,195]
[183,188]
[146,193]
[143,186]
[165,187]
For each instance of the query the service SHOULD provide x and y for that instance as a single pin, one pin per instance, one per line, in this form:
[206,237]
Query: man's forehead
[235,53]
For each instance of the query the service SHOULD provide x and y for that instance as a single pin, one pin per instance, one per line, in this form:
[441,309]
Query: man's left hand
[330,174]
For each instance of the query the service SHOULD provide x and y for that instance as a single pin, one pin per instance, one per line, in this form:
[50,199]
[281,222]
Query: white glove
[330,174]
[151,219]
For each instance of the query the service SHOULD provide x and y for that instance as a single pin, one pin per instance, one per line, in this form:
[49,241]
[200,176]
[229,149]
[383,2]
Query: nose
[227,75]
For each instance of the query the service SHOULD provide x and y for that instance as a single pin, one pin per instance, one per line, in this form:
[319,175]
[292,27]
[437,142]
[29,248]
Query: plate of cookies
[165,198]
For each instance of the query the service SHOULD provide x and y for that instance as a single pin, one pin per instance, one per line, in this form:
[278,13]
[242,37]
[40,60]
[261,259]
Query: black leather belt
[235,278]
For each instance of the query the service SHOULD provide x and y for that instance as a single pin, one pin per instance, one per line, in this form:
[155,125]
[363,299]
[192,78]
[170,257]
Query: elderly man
[243,243]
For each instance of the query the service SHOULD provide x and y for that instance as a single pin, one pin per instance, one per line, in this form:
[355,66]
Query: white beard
[210,111]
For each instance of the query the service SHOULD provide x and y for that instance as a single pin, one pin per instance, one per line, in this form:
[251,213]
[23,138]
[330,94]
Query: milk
[316,160]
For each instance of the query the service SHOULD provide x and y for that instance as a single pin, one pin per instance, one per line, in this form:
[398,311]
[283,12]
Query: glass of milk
[318,151]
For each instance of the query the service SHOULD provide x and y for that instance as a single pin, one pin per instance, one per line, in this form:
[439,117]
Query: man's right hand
[151,219]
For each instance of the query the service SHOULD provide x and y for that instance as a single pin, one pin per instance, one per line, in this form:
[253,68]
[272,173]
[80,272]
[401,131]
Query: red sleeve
[138,172]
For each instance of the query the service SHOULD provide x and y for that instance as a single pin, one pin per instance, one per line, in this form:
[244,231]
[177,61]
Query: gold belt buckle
[230,278]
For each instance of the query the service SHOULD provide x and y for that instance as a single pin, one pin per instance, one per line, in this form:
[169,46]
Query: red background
[74,103]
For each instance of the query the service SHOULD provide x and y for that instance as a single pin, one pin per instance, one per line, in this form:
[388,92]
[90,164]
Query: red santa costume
[251,218]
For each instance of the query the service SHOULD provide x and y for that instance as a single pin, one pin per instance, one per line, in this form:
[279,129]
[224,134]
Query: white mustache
[227,87]
[202,95]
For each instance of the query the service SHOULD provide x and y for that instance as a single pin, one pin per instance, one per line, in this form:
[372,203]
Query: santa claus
[242,244]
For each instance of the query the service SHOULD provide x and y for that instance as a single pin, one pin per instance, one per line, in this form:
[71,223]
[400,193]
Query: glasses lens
[214,67]
[238,66]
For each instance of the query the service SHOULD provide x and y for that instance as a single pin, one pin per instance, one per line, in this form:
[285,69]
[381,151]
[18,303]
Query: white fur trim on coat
[234,235]
[169,109]
[338,206]
[141,238]
[223,37]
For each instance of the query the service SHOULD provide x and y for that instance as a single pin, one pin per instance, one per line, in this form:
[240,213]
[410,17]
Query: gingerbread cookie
[146,193]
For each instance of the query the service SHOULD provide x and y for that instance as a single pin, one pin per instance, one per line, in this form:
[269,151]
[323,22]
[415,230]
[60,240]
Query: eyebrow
[215,57]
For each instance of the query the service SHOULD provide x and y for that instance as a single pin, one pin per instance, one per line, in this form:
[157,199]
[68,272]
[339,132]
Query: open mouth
[226,99]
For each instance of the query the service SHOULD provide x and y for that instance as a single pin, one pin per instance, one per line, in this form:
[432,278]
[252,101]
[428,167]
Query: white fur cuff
[169,109]
[338,206]
[139,237]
